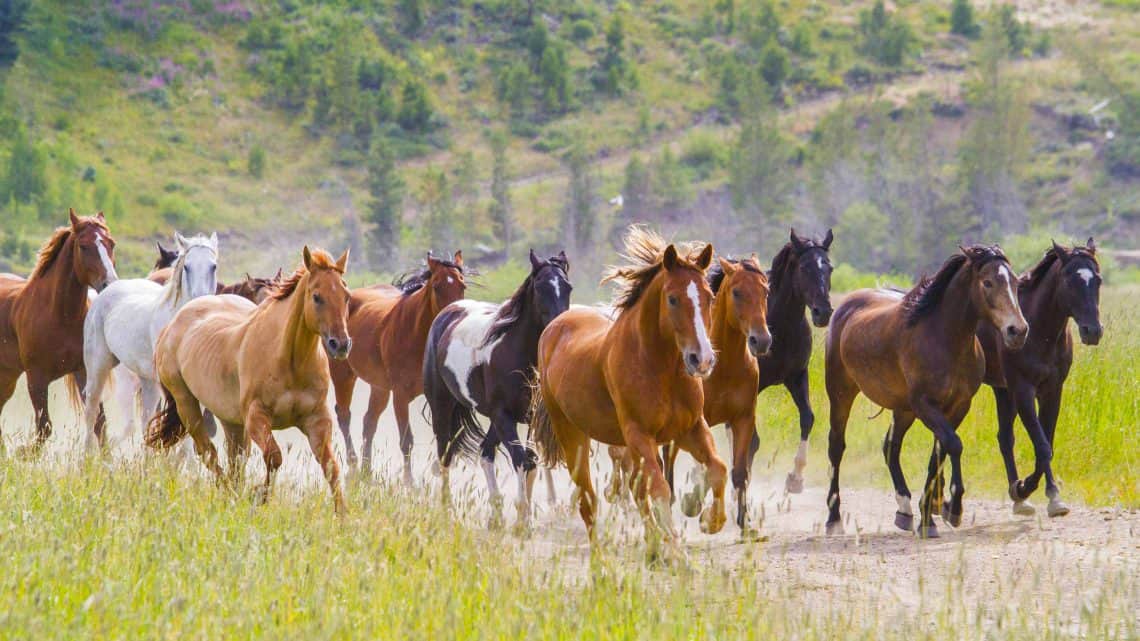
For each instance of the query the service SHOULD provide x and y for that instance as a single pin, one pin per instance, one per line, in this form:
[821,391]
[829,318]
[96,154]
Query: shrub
[582,30]
[256,164]
[962,19]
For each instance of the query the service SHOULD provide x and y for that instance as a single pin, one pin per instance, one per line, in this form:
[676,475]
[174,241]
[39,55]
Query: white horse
[124,322]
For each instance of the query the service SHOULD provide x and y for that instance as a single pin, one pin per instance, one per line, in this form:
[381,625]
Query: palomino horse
[389,326]
[479,359]
[916,355]
[41,318]
[634,381]
[1028,382]
[257,369]
[125,320]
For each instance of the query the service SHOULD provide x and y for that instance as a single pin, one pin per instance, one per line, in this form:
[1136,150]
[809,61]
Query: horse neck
[1047,318]
[786,305]
[651,333]
[730,341]
[298,343]
[958,322]
[68,296]
[528,329]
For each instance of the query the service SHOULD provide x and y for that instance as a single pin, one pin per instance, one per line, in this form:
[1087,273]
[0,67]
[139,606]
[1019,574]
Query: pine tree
[962,19]
[386,189]
[579,217]
[502,217]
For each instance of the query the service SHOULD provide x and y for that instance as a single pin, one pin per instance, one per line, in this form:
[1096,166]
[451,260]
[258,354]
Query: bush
[704,154]
[885,37]
[774,65]
[256,163]
[582,30]
[962,20]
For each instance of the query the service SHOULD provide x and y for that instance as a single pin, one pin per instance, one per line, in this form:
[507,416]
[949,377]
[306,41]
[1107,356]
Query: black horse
[1028,382]
[479,359]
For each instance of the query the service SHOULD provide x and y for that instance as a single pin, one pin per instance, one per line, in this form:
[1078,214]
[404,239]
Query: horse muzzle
[1091,334]
[1014,336]
[759,344]
[337,348]
[698,367]
[821,316]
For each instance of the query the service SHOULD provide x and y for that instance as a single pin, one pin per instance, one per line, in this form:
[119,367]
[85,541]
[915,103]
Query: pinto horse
[1028,382]
[634,381]
[389,326]
[916,355]
[257,368]
[41,318]
[479,359]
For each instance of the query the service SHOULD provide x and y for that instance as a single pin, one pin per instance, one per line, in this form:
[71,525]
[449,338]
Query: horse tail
[74,392]
[165,428]
[541,429]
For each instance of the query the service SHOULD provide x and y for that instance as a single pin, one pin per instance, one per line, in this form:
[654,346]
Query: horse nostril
[692,360]
[333,344]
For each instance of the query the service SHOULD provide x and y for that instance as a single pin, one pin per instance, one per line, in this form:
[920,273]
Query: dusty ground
[996,566]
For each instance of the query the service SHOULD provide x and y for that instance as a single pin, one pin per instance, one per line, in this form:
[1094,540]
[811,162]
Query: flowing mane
[716,274]
[172,290]
[643,251]
[924,298]
[413,281]
[50,251]
[511,312]
[285,288]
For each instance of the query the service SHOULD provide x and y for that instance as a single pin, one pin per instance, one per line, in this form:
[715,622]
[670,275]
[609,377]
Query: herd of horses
[689,342]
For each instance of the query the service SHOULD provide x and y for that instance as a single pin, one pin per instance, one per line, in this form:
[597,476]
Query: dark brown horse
[389,325]
[916,355]
[1028,382]
[41,318]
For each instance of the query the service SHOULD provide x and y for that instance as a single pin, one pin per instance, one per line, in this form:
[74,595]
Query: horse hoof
[691,505]
[712,521]
[904,522]
[1023,508]
[949,517]
[927,531]
[794,484]
[1057,507]
[835,528]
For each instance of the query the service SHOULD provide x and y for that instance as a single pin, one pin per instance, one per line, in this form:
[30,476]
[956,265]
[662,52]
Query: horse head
[93,251]
[550,282]
[1079,289]
[326,301]
[994,293]
[445,280]
[685,303]
[197,265]
[812,275]
[744,289]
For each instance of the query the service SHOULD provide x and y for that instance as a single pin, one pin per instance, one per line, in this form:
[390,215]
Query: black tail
[541,430]
[457,430]
[165,428]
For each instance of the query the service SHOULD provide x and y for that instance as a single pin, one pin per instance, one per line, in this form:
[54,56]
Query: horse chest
[291,405]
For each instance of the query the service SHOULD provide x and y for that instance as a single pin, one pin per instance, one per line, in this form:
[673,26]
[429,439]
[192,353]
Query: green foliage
[386,191]
[962,21]
[866,237]
[411,16]
[612,71]
[25,177]
[500,211]
[256,163]
[579,216]
[554,73]
[885,37]
[582,31]
[761,177]
[435,194]
[12,14]
[672,181]
[636,194]
[1016,32]
[415,109]
[774,66]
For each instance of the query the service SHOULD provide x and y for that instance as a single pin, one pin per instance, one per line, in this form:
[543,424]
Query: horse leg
[7,388]
[1049,408]
[651,492]
[377,403]
[946,443]
[699,442]
[319,429]
[127,391]
[576,446]
[892,446]
[841,392]
[401,399]
[668,462]
[190,411]
[257,425]
[487,462]
[743,429]
[1025,398]
[524,460]
[551,495]
[98,365]
[38,391]
[343,387]
[616,488]
[237,449]
[1006,412]
[797,386]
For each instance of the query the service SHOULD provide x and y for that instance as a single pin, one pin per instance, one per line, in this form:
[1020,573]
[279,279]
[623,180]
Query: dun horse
[1028,382]
[389,326]
[257,369]
[479,359]
[41,318]
[634,381]
[916,355]
[125,320]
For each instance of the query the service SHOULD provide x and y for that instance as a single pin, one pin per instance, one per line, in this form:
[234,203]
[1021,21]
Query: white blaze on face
[105,256]
[554,283]
[703,343]
[1086,275]
[450,279]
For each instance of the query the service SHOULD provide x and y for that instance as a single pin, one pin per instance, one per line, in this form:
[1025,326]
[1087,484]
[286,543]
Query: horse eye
[672,300]
[736,293]
[317,298]
[987,284]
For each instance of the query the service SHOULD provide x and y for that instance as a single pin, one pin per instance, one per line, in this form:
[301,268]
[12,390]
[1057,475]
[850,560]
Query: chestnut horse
[1028,382]
[41,318]
[257,368]
[916,355]
[634,381]
[389,326]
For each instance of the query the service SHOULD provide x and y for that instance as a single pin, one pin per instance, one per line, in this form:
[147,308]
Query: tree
[386,189]
[11,24]
[435,193]
[412,12]
[26,176]
[885,37]
[759,169]
[501,214]
[962,19]
[555,75]
[579,217]
[415,110]
[612,68]
[774,66]
[256,164]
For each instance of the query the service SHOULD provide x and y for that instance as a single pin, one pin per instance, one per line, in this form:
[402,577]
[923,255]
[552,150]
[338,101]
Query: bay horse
[635,381]
[166,258]
[916,354]
[125,320]
[479,359]
[389,325]
[1028,382]
[257,368]
[41,318]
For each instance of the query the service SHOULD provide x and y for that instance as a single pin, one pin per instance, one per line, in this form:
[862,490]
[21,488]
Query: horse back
[866,336]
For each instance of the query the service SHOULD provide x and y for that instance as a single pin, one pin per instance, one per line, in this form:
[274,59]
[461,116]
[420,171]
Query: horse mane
[511,312]
[1037,273]
[643,250]
[50,251]
[414,280]
[716,273]
[172,290]
[284,289]
[924,297]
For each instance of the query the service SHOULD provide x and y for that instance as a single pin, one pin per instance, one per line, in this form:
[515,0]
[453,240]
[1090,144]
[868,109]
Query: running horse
[257,368]
[635,381]
[916,355]
[389,325]
[479,359]
[41,318]
[1028,382]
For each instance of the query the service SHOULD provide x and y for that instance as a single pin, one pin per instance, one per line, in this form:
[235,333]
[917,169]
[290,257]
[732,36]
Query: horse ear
[1091,245]
[827,239]
[214,240]
[342,262]
[431,261]
[705,259]
[74,218]
[565,261]
[535,261]
[669,260]
[458,258]
[180,242]
[307,257]
[796,242]
[101,217]
[1060,251]
[726,266]
[277,276]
